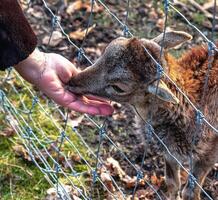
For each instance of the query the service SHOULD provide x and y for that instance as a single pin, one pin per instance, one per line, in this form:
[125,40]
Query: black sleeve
[17,40]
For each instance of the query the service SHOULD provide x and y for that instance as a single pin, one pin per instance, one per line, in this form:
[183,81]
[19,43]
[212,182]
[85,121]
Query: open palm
[51,77]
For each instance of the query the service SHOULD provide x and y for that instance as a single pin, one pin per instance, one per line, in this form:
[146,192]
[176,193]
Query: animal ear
[162,92]
[172,38]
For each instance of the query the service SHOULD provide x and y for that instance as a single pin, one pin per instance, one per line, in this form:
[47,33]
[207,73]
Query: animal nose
[72,83]
[76,86]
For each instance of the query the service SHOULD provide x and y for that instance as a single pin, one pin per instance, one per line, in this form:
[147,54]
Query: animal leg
[172,178]
[192,191]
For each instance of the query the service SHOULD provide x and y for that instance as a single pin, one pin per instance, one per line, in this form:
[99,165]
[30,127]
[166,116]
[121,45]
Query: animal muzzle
[89,81]
[75,87]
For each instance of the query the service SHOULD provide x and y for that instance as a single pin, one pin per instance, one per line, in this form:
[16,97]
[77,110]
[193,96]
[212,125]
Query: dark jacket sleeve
[17,39]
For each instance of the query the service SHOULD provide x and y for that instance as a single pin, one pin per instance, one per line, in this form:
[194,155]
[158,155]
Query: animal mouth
[94,97]
[91,95]
[74,90]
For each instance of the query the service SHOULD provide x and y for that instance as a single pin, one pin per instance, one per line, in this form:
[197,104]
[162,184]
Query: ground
[20,177]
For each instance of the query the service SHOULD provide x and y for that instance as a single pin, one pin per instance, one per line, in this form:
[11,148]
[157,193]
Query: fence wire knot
[199,117]
[126,31]
[192,181]
[35,101]
[9,69]
[210,48]
[54,21]
[149,131]
[57,168]
[80,54]
[166,5]
[29,130]
[63,134]
[102,132]
[160,71]
[94,176]
[2,94]
[139,175]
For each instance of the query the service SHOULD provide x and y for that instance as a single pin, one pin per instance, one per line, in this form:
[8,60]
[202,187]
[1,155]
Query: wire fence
[49,150]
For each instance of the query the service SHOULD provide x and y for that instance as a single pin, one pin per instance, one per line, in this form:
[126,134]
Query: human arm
[17,40]
[49,72]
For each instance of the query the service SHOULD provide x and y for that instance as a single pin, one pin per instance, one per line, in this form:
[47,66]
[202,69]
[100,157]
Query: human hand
[50,72]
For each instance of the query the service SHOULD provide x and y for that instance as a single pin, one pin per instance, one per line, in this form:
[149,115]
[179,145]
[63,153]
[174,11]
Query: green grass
[199,18]
[21,179]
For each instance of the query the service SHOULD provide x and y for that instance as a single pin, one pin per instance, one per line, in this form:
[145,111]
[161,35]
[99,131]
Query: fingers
[91,97]
[66,72]
[63,67]
[81,104]
[98,108]
[92,107]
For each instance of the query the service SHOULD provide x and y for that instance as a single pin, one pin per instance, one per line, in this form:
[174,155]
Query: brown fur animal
[126,73]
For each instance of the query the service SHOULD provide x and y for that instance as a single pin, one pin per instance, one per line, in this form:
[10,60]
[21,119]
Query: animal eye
[117,89]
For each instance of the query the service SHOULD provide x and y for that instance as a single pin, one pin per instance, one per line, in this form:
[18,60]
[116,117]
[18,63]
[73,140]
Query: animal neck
[162,115]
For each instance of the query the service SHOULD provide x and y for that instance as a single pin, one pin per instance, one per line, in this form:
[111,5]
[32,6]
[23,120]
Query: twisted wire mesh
[36,139]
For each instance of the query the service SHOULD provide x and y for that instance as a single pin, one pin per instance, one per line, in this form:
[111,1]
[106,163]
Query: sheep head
[126,73]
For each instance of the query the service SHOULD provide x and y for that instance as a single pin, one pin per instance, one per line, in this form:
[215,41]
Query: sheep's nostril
[72,83]
[68,88]
[74,87]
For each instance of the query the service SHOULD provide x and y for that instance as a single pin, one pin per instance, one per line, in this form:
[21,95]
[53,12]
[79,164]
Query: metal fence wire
[49,150]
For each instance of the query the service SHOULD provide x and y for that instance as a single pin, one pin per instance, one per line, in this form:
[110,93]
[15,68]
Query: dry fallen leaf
[75,121]
[93,51]
[52,193]
[22,152]
[55,40]
[144,194]
[106,179]
[38,14]
[130,182]
[7,132]
[114,167]
[153,14]
[80,34]
[79,5]
[157,181]
[75,158]
[116,196]
[160,24]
